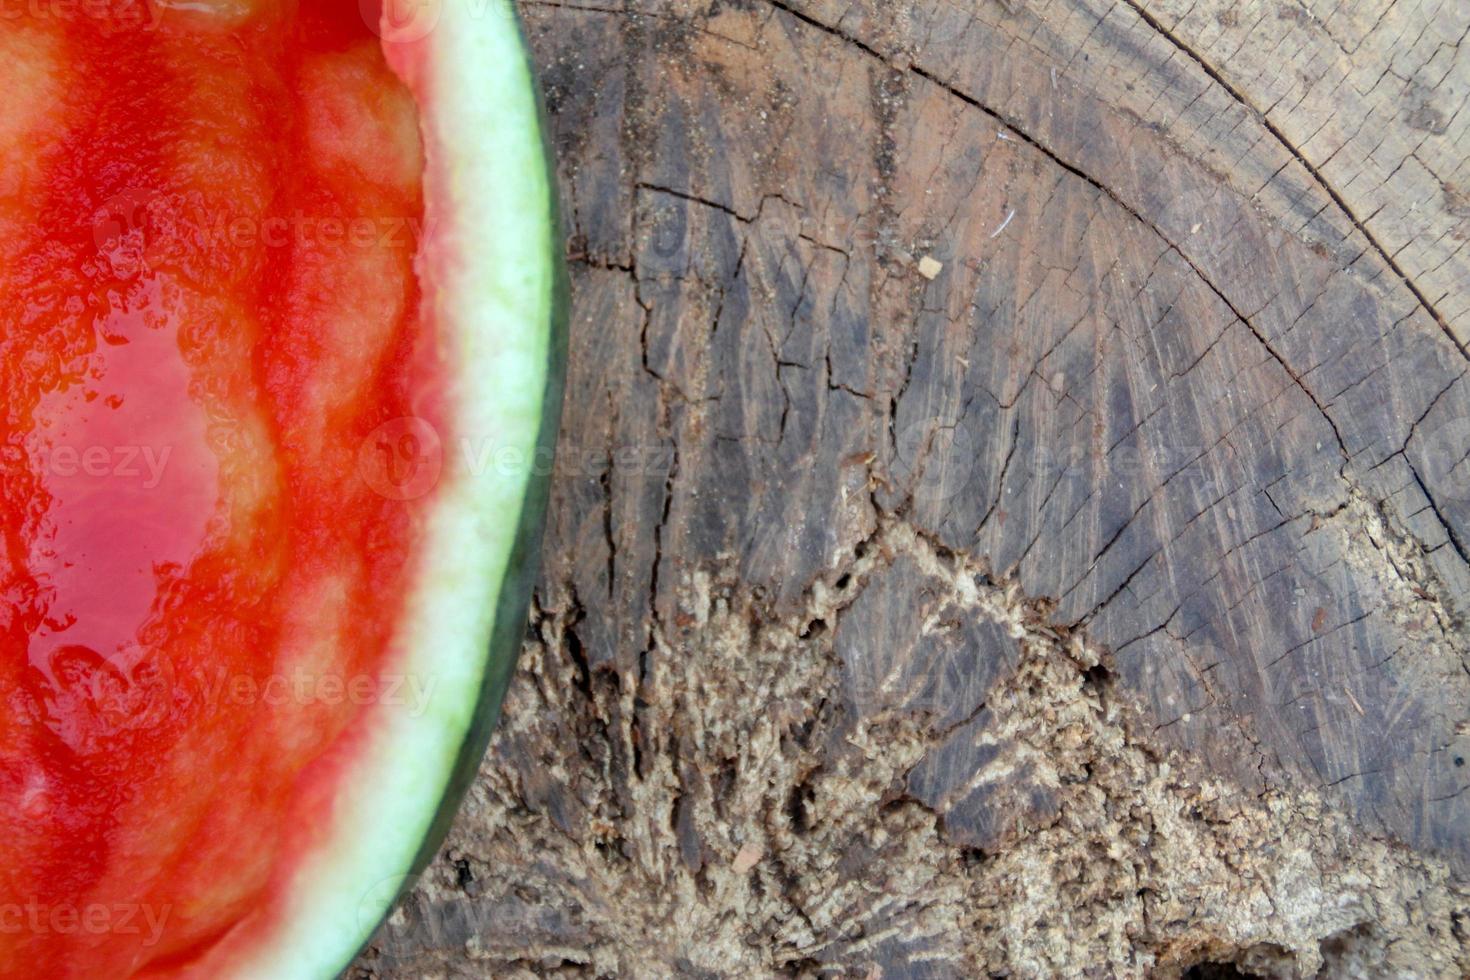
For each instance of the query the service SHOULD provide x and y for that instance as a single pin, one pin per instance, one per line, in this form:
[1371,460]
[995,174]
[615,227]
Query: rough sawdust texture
[737,850]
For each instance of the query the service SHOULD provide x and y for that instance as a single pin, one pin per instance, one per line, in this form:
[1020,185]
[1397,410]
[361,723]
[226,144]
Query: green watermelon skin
[524,567]
[341,895]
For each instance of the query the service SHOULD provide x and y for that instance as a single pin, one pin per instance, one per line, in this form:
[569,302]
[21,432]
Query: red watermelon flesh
[226,415]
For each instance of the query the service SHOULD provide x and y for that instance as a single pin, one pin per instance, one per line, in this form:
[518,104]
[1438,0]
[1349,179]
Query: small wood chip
[929,267]
[1319,620]
[750,855]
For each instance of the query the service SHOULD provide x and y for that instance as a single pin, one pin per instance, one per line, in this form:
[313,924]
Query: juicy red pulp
[207,231]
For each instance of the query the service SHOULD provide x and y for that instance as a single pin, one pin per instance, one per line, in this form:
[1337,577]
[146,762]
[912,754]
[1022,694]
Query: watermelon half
[281,367]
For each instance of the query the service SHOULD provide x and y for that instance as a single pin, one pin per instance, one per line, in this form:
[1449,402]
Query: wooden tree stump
[1013,512]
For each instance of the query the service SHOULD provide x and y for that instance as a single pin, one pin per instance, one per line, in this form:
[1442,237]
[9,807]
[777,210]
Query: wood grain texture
[1014,508]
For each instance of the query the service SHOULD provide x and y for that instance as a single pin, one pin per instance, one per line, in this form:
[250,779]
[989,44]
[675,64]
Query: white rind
[489,204]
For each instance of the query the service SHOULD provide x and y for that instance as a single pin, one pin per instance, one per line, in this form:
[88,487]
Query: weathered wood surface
[1014,507]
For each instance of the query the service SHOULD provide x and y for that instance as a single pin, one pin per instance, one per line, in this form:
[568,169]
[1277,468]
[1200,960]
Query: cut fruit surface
[280,367]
